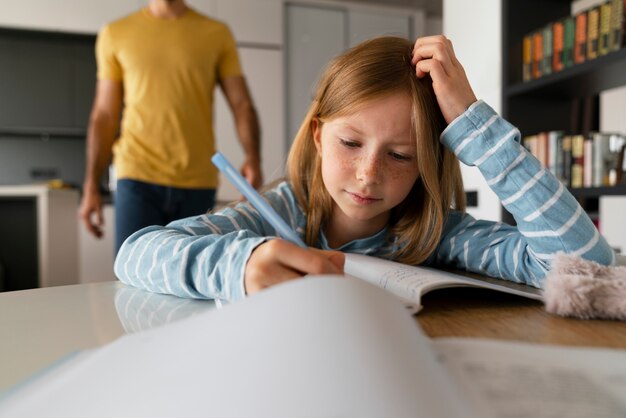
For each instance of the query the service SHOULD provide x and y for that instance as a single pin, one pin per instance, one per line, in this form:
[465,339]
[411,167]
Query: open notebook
[325,346]
[409,283]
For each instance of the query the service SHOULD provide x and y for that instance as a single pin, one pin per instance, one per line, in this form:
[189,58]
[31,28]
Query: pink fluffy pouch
[585,289]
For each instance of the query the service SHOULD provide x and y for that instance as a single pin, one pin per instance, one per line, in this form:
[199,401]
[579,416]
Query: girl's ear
[316,130]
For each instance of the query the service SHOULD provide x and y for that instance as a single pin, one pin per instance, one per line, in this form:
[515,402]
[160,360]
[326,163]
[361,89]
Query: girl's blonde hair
[371,70]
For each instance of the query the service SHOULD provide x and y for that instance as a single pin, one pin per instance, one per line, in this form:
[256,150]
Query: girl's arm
[206,257]
[548,217]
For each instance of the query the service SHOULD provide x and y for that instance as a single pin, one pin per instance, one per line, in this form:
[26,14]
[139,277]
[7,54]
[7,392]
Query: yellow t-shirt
[169,69]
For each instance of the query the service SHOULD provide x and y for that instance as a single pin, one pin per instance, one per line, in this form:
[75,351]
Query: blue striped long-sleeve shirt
[206,256]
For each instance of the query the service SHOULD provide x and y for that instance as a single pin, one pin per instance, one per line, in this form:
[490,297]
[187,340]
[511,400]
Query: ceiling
[432,7]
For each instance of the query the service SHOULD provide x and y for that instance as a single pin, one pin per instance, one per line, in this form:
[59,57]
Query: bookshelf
[567,100]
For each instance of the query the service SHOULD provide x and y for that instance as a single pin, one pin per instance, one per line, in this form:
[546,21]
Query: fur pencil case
[585,289]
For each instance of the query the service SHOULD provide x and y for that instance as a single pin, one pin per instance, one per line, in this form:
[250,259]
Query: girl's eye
[400,157]
[348,143]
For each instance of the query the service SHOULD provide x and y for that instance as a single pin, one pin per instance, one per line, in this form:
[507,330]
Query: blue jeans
[139,204]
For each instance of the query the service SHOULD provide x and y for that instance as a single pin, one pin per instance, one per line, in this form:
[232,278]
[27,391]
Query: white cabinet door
[365,24]
[263,69]
[206,7]
[31,14]
[95,263]
[253,21]
[89,16]
[81,16]
[314,36]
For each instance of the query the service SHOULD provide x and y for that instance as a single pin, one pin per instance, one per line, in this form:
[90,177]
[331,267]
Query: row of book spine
[595,160]
[574,39]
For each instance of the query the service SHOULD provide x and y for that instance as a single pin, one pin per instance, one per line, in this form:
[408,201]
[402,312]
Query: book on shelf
[569,41]
[580,51]
[324,346]
[616,168]
[604,32]
[555,165]
[617,25]
[558,45]
[547,50]
[593,28]
[537,49]
[620,175]
[600,156]
[580,161]
[577,161]
[574,39]
[527,59]
[588,166]
[567,160]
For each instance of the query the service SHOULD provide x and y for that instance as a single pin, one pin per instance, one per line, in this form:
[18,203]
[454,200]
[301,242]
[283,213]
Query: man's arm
[101,134]
[247,125]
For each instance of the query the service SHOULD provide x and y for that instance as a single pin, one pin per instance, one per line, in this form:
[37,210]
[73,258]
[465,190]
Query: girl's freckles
[394,174]
[348,163]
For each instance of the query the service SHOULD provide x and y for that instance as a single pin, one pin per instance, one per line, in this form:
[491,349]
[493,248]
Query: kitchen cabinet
[95,263]
[77,16]
[314,36]
[39,245]
[365,24]
[253,22]
[47,83]
[89,16]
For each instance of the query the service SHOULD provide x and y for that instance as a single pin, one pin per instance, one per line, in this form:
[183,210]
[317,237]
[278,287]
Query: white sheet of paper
[318,347]
[505,379]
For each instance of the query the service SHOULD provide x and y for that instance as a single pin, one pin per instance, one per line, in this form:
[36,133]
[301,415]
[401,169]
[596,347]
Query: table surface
[40,326]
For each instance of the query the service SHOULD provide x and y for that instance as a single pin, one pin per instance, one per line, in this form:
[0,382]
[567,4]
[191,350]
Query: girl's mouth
[363,199]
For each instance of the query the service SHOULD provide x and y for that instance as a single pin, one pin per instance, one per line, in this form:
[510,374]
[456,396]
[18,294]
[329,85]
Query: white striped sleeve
[548,217]
[204,256]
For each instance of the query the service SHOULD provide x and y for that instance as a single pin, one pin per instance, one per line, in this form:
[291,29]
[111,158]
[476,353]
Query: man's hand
[90,211]
[277,261]
[434,55]
[251,171]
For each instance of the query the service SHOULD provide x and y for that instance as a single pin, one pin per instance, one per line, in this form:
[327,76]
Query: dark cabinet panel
[47,83]
[19,259]
[84,83]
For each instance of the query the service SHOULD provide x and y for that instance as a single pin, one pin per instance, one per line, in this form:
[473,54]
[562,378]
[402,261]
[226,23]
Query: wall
[474,28]
[433,26]
[612,208]
[27,160]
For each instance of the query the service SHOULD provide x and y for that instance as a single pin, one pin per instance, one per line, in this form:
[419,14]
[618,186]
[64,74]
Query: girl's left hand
[434,55]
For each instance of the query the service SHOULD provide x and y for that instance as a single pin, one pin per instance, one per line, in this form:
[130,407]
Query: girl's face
[368,165]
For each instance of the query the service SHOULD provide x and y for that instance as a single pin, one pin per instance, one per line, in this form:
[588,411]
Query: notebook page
[410,282]
[406,282]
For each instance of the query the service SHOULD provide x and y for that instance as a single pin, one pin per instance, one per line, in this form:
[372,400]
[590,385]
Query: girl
[372,170]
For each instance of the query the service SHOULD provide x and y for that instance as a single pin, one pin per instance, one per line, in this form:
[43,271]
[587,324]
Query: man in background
[161,65]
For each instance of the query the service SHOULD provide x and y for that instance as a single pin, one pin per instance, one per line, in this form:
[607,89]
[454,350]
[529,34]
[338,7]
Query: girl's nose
[369,170]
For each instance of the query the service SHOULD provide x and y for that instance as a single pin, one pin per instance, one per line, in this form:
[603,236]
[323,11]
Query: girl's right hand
[277,260]
[435,55]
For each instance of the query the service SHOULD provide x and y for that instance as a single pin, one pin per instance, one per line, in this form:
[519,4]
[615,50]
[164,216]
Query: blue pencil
[268,213]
